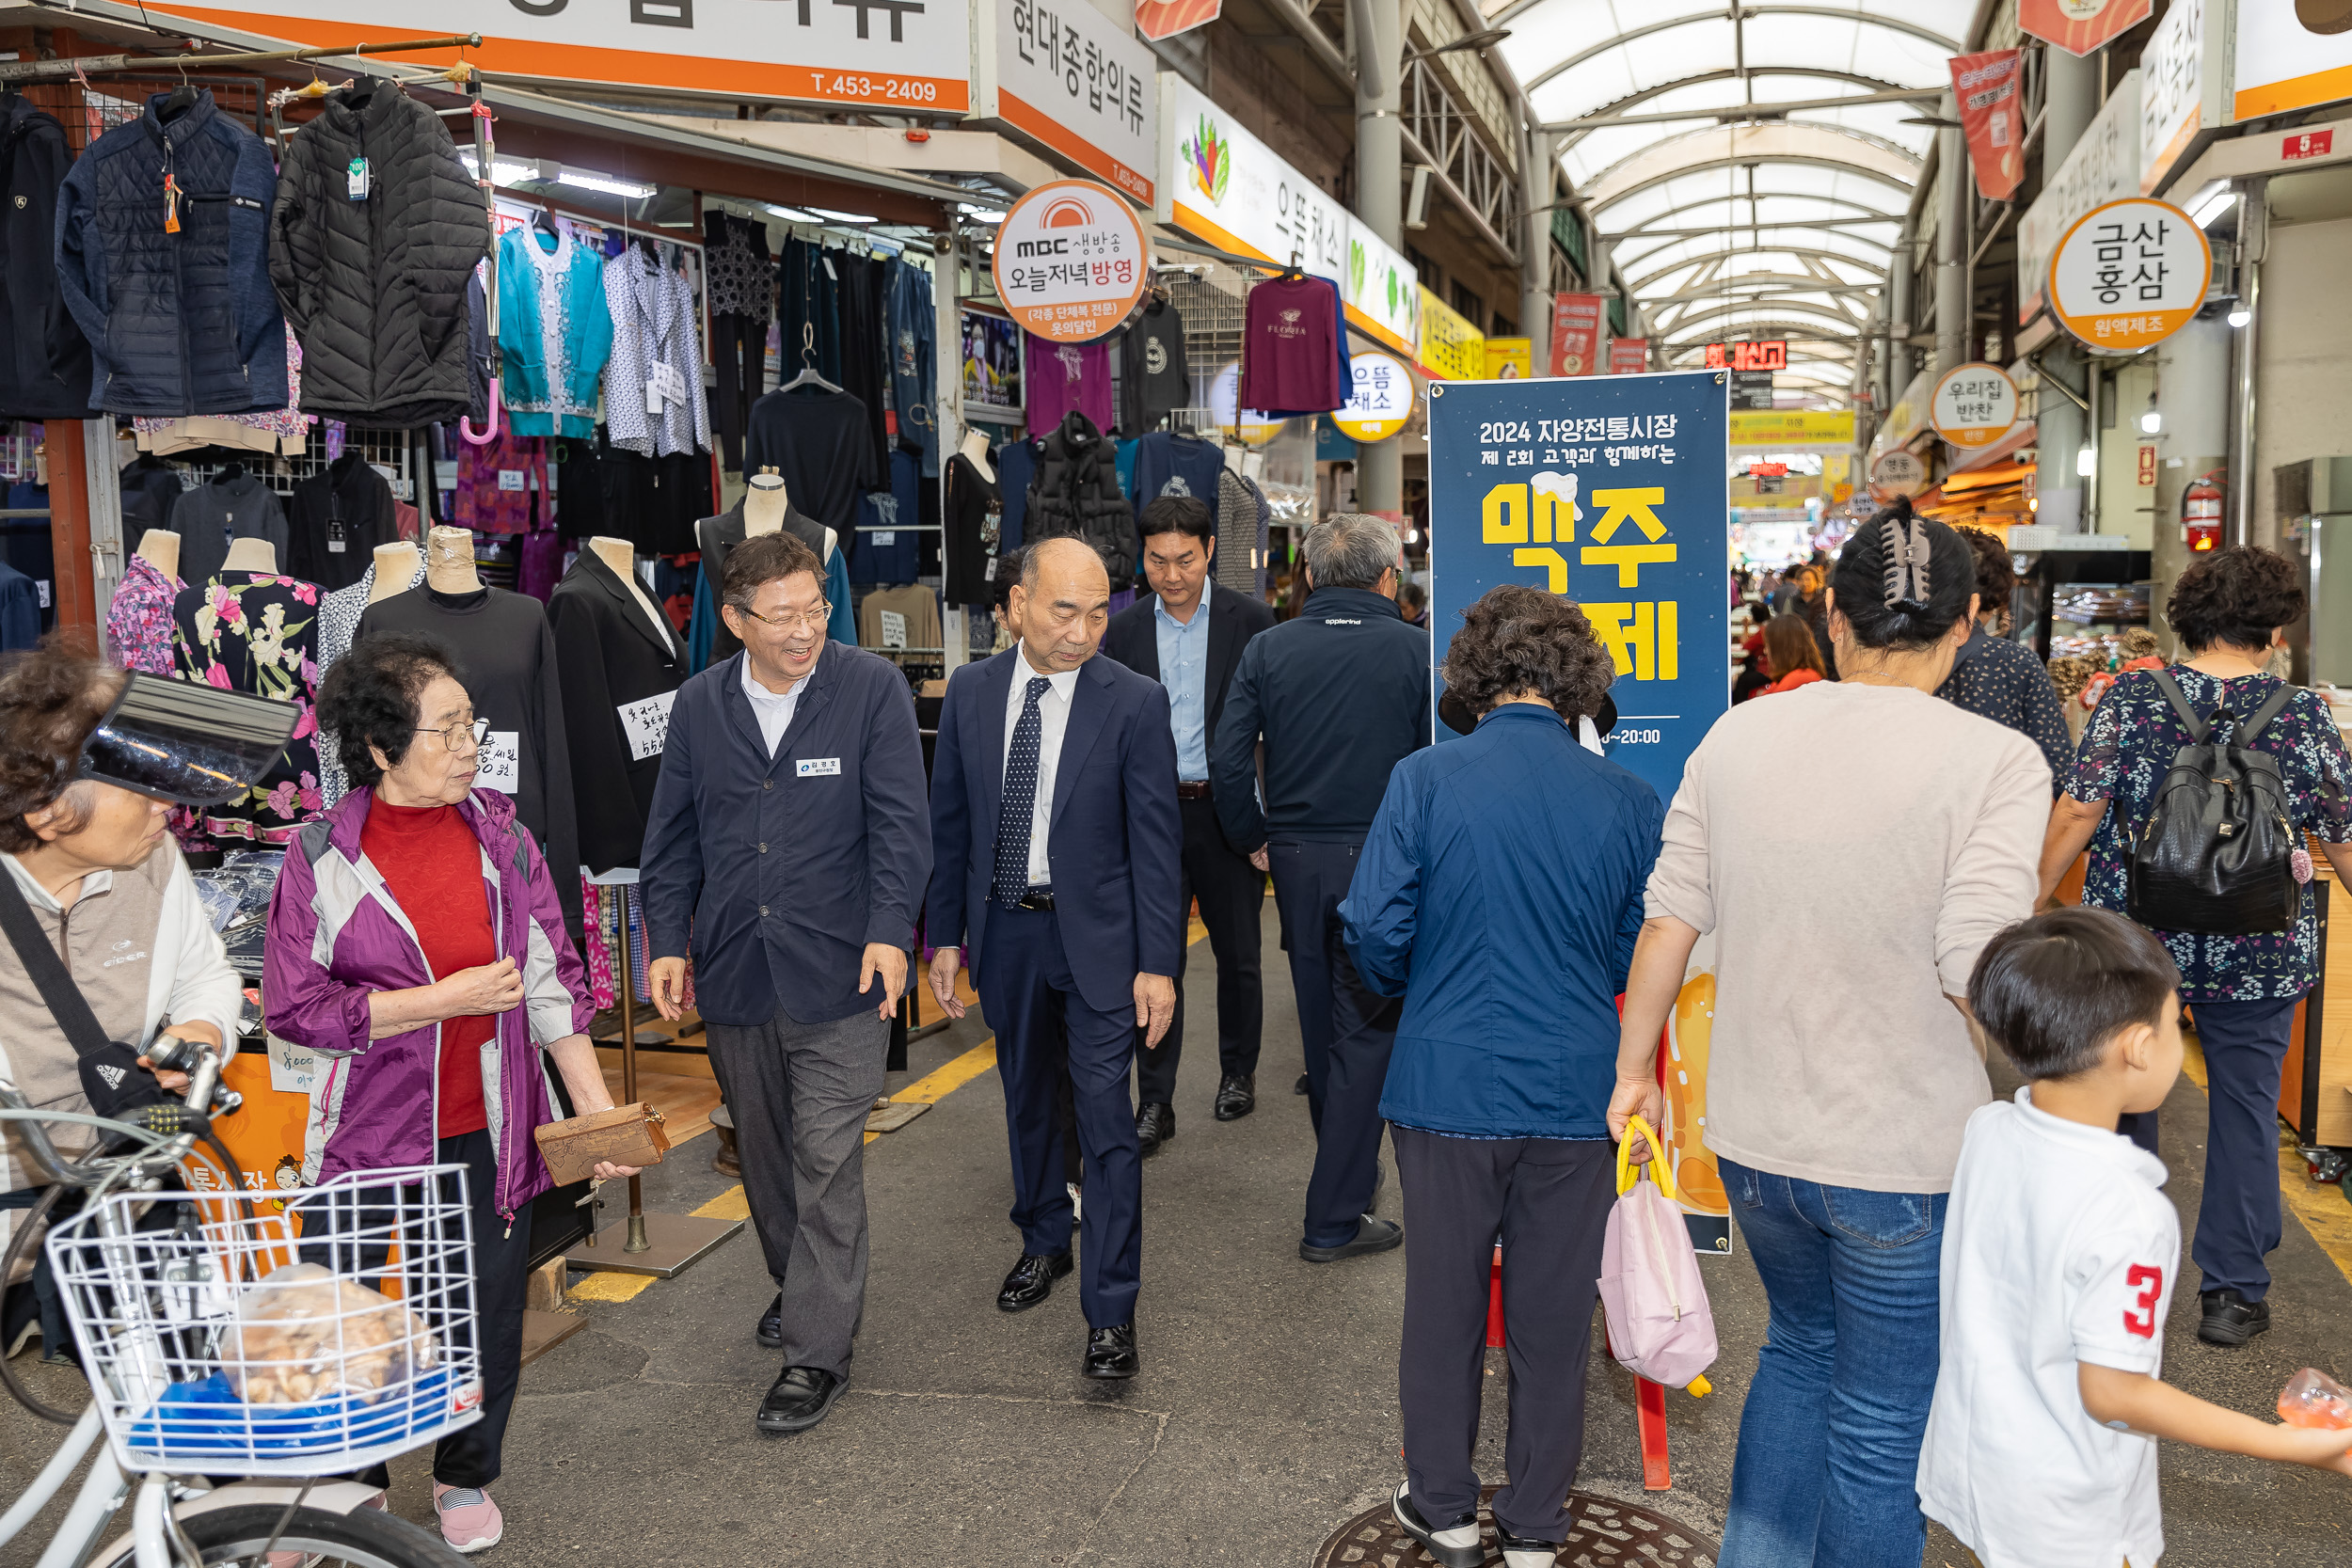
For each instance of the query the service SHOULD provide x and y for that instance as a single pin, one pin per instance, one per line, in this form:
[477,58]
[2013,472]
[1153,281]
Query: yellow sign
[1510,358]
[1380,402]
[1450,347]
[1791,430]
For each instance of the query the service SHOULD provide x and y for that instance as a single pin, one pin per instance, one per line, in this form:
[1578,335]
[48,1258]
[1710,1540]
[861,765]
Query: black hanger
[543,221]
[229,473]
[183,99]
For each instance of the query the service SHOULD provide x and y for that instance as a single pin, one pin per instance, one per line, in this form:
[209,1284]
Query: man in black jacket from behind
[1189,637]
[1340,694]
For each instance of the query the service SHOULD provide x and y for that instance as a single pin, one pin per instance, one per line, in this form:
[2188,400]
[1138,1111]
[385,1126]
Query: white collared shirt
[774,709]
[1053,711]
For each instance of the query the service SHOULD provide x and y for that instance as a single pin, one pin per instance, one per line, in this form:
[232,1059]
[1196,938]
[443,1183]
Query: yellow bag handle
[1628,1175]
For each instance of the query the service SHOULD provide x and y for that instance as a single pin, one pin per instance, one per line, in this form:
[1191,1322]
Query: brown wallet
[625,1135]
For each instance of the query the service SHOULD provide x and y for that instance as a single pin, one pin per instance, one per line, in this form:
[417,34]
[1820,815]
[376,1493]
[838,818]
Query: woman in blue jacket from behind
[1500,894]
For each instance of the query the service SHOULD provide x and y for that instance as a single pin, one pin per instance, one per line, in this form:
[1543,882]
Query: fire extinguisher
[2200,514]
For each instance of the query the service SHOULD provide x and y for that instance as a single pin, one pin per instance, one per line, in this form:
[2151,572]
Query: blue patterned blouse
[2126,748]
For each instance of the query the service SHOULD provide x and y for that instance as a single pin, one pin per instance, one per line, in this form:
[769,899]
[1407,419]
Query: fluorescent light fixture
[979,214]
[2150,421]
[2240,315]
[830,216]
[605,182]
[503,171]
[2085,462]
[2213,207]
[792,214]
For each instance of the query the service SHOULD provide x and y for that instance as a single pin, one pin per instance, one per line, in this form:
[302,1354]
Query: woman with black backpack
[2194,787]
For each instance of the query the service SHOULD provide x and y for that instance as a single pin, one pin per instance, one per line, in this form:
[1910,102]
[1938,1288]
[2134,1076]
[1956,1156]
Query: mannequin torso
[395,565]
[448,561]
[160,548]
[620,556]
[975,450]
[764,506]
[250,555]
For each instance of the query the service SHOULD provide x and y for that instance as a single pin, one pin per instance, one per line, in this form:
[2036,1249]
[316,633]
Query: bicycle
[170,1319]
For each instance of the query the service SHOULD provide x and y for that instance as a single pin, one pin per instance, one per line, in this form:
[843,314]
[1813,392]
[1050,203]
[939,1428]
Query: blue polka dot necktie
[1018,808]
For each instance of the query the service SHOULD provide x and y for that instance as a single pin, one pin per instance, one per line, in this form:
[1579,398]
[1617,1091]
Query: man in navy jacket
[1059,850]
[786,837]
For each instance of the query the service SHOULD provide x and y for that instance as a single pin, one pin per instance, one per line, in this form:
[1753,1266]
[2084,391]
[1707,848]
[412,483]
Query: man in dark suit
[787,840]
[1189,637]
[1060,850]
[1339,694]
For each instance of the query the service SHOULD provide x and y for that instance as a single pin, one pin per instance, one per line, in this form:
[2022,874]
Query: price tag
[335,546]
[894,630]
[646,724]
[500,765]
[669,382]
[829,272]
[355,180]
[512,479]
[292,1070]
[883,539]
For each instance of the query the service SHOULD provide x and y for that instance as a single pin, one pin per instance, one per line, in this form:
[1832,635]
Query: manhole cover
[1602,1533]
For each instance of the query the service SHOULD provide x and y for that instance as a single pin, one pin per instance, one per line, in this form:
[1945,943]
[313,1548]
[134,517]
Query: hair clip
[1907,556]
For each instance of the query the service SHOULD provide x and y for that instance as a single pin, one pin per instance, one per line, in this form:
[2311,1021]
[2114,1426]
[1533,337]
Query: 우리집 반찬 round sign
[1379,402]
[2129,275]
[1070,261]
[1974,405]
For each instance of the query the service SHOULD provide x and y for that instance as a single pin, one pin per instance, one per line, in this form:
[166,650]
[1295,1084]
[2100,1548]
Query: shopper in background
[2001,680]
[2229,611]
[1338,695]
[1189,637]
[1813,607]
[1412,602]
[1842,1069]
[1000,600]
[787,848]
[415,874]
[1794,657]
[1500,894]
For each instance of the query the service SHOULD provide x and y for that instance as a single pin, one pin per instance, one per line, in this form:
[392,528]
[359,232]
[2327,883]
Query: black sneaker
[1455,1544]
[2230,1319]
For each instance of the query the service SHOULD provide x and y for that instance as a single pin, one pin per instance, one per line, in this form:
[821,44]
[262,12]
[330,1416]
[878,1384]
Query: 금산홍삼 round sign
[1070,261]
[1974,405]
[2129,275]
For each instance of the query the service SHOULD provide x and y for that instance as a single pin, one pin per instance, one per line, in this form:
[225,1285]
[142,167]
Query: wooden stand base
[544,1330]
[673,1243]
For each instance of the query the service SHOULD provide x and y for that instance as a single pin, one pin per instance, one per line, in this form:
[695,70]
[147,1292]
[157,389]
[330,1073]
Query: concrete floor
[1266,1412]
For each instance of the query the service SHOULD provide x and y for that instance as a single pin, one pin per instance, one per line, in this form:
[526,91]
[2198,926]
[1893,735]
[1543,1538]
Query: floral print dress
[2127,748]
[258,632]
[138,618]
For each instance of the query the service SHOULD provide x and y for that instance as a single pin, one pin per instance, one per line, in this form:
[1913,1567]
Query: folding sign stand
[659,1244]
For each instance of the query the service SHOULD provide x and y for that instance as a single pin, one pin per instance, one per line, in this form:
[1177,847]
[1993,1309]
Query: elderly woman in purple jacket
[415,942]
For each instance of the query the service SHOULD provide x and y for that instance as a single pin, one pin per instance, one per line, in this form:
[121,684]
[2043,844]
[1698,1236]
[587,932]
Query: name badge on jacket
[818,768]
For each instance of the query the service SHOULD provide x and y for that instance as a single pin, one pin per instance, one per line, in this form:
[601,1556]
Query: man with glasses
[788,841]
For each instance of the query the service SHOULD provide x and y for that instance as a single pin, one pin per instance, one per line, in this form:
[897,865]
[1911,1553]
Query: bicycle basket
[347,1321]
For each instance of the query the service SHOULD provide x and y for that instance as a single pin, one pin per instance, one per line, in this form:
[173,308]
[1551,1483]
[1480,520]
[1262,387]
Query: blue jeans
[1828,1442]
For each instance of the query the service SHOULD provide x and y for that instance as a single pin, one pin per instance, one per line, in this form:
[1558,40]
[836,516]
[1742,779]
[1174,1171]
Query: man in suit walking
[1339,693]
[787,843]
[1058,859]
[1189,637]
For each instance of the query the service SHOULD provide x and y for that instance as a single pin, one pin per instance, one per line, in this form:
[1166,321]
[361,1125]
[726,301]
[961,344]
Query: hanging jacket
[1076,492]
[376,286]
[620,671]
[555,330]
[45,359]
[179,323]
[654,316]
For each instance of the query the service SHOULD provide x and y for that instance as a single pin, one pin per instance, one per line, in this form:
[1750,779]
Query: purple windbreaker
[336,937]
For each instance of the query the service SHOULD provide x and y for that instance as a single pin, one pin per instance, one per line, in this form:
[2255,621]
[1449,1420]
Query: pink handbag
[1660,1325]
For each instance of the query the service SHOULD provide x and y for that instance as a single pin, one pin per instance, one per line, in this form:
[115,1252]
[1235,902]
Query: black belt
[1038,898]
[1192,789]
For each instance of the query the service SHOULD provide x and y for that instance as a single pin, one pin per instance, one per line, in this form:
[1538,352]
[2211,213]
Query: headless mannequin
[448,561]
[394,566]
[764,505]
[620,556]
[160,548]
[975,450]
[250,555]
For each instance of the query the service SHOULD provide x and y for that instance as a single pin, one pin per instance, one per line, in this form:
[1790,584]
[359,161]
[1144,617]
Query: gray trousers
[800,1093]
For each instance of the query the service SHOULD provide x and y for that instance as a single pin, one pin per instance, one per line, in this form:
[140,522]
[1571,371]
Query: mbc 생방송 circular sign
[1380,400]
[1070,261]
[1898,473]
[2129,275]
[1974,405]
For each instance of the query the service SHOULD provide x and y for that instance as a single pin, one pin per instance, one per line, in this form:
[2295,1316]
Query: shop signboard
[1792,430]
[1898,473]
[1065,74]
[1381,289]
[1225,186]
[892,57]
[1991,117]
[2103,167]
[2129,274]
[1380,400]
[1577,327]
[2290,57]
[2180,88]
[1972,405]
[1628,355]
[1510,358]
[1751,391]
[1452,349]
[1909,413]
[2081,26]
[1161,20]
[1070,261]
[1614,493]
[1250,426]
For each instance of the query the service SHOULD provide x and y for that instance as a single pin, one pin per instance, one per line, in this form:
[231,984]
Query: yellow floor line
[608,1285]
[729,1205]
[2323,1210]
[939,1084]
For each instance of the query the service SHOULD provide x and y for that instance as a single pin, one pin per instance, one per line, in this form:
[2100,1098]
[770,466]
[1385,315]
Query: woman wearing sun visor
[107,944]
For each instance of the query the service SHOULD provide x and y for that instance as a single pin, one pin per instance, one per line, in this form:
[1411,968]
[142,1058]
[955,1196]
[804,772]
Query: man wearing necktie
[1057,856]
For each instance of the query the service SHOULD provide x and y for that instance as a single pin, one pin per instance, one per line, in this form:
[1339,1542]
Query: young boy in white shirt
[2058,1267]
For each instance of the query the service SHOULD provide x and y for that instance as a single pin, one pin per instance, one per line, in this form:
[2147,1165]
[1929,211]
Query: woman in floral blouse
[2229,611]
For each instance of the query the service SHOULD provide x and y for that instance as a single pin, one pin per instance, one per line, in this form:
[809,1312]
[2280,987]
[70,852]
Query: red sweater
[431,863]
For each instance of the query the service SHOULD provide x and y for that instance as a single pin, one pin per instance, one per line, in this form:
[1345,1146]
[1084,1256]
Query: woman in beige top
[1850,850]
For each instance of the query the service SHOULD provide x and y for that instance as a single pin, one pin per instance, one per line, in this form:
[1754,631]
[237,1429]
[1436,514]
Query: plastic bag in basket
[304,1334]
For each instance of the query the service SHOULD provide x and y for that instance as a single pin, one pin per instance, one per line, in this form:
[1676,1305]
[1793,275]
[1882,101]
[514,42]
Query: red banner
[2080,27]
[1576,328]
[1628,355]
[1158,20]
[1991,117]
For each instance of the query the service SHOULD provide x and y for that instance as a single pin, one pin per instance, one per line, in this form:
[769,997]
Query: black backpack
[2216,855]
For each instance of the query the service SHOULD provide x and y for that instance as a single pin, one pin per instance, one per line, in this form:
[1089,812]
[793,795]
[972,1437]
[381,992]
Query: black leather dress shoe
[1236,1096]
[771,1330]
[1111,1353]
[1373,1234]
[1299,1088]
[1155,1123]
[799,1400]
[1031,1280]
[2230,1319]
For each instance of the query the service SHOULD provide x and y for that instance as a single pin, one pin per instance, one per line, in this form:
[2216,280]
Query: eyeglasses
[791,621]
[454,736]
